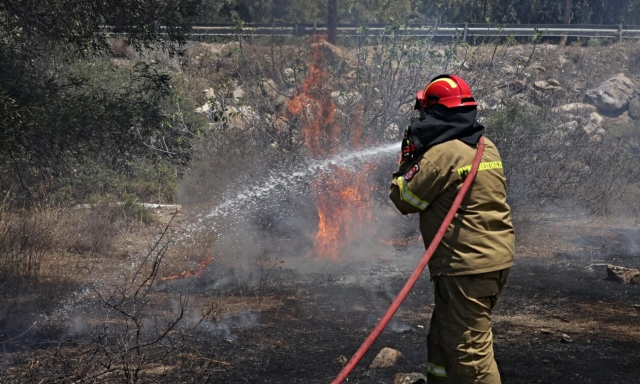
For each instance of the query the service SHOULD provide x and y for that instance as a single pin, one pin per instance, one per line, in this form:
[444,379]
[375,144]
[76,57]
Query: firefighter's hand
[407,153]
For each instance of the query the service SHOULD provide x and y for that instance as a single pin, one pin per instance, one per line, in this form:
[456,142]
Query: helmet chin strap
[420,107]
[423,113]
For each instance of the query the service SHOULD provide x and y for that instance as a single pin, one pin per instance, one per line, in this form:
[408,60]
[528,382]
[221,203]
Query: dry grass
[27,239]
[87,283]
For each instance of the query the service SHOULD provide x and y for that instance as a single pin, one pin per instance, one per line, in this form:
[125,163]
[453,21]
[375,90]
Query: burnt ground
[326,316]
[557,287]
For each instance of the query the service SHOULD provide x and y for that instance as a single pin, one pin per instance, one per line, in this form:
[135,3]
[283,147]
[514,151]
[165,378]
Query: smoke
[248,192]
[634,244]
[271,213]
[224,328]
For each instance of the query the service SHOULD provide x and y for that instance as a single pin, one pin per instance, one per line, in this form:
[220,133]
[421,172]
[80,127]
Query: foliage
[420,11]
[76,24]
[67,108]
[555,170]
[26,242]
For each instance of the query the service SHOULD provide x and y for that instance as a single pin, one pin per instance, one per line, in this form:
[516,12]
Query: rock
[580,109]
[328,48]
[344,99]
[215,52]
[482,104]
[209,93]
[566,339]
[342,360]
[593,126]
[161,209]
[545,331]
[392,132]
[238,93]
[634,108]
[636,306]
[546,86]
[461,65]
[387,358]
[538,68]
[553,82]
[612,95]
[519,85]
[623,275]
[280,101]
[409,378]
[270,89]
[563,60]
[212,110]
[243,117]
[509,70]
[499,94]
[204,109]
[567,127]
[234,45]
[289,75]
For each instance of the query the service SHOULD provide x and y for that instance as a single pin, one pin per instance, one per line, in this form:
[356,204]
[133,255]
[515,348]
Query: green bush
[72,122]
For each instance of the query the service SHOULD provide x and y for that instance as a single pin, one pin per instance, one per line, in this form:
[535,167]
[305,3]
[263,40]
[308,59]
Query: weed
[266,265]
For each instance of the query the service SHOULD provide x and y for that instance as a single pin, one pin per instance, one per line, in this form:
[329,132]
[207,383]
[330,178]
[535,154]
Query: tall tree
[332,21]
[64,104]
[567,18]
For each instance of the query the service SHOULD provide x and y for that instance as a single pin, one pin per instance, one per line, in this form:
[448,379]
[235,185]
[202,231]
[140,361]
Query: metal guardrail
[463,31]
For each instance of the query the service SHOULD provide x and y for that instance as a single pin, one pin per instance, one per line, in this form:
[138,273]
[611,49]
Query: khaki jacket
[481,237]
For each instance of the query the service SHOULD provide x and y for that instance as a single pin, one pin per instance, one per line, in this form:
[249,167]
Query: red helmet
[447,90]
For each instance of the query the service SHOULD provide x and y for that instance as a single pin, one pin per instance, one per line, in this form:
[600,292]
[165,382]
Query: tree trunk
[484,11]
[278,10]
[567,18]
[332,21]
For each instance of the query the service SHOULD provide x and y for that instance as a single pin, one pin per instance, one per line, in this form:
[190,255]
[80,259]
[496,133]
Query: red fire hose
[416,273]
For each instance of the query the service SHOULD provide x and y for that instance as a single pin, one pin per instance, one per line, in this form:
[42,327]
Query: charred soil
[558,320]
[547,299]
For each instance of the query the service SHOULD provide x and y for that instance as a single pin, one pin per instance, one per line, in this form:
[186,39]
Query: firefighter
[471,265]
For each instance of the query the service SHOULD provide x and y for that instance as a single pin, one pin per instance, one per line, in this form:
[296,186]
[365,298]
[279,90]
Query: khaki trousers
[460,342]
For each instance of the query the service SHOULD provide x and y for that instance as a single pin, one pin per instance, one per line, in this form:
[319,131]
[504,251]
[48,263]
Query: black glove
[407,153]
[408,148]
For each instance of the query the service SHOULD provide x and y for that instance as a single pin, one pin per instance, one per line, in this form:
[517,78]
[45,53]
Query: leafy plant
[65,104]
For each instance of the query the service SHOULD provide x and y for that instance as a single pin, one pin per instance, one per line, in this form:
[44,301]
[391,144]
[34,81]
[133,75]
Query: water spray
[348,160]
[373,336]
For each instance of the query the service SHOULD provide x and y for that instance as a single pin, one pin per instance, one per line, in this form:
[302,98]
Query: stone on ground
[409,378]
[613,95]
[388,357]
[623,275]
[634,108]
[579,109]
[552,85]
[342,360]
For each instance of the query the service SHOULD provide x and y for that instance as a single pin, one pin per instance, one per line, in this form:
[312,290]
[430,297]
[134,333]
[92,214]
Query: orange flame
[342,199]
[190,273]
